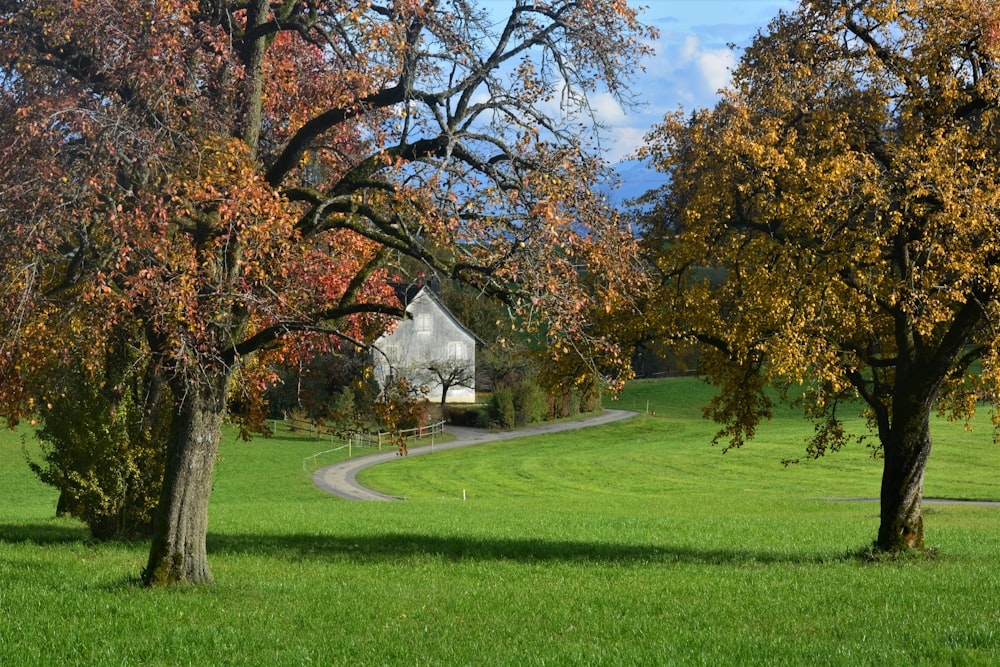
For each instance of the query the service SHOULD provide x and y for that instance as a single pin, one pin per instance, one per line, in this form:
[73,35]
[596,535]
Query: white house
[429,348]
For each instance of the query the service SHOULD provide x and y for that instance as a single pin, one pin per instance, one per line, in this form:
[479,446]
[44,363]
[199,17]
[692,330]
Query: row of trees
[195,191]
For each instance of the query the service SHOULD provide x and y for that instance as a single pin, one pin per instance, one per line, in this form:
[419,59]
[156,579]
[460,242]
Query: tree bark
[64,506]
[906,449]
[178,553]
[253,51]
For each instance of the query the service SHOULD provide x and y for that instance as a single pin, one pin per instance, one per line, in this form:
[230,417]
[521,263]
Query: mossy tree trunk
[906,451]
[904,430]
[178,553]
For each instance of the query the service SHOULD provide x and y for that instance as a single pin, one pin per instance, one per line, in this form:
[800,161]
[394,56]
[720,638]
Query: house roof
[408,293]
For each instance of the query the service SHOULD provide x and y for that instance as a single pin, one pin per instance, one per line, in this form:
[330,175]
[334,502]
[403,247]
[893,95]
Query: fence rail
[368,439]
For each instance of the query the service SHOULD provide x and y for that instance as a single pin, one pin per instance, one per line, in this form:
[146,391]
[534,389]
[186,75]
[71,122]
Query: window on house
[392,353]
[423,322]
[456,351]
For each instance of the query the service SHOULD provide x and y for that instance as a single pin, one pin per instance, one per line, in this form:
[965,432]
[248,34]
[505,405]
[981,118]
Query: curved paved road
[341,478]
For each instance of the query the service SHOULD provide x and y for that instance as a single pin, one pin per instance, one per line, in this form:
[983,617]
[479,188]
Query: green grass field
[630,544]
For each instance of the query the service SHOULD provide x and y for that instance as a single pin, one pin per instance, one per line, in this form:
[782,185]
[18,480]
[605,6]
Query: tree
[235,177]
[453,372]
[834,223]
[329,388]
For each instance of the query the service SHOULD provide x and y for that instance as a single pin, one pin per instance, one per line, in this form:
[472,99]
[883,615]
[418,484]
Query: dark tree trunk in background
[906,449]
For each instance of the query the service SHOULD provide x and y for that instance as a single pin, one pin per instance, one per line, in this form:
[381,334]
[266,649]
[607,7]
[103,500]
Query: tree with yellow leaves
[834,223]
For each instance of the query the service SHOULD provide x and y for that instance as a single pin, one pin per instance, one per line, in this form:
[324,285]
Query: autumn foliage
[831,229]
[234,182]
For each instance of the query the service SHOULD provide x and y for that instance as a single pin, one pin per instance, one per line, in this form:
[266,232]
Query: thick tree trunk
[178,553]
[906,451]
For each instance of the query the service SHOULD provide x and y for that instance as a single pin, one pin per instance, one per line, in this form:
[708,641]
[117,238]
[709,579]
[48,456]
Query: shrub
[103,448]
[573,407]
[401,407]
[473,416]
[590,395]
[529,403]
[319,388]
[502,411]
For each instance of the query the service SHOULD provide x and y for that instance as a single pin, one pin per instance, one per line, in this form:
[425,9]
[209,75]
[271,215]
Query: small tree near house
[453,372]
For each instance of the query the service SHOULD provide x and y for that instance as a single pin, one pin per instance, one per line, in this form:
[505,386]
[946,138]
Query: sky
[691,63]
[692,60]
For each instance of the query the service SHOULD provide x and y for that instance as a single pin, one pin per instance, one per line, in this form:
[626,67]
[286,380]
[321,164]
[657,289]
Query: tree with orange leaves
[236,181]
[832,229]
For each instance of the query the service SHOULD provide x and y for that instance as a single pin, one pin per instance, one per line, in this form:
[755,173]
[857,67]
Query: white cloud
[606,109]
[690,71]
[683,72]
[715,67]
[623,140]
[688,49]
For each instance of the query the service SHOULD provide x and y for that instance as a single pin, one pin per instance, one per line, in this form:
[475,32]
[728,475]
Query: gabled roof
[408,293]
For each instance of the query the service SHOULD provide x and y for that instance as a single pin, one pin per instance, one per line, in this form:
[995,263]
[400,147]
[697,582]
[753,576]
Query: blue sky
[692,60]
[691,64]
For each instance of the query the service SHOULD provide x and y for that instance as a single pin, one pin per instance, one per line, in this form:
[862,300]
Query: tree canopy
[236,180]
[834,224]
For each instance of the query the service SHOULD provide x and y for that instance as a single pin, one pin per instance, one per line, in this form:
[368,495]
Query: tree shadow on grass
[399,547]
[43,533]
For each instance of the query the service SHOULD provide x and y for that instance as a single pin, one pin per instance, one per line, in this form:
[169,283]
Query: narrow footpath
[340,479]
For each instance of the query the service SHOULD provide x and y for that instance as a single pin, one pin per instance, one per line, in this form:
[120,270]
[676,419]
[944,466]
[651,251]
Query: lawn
[634,543]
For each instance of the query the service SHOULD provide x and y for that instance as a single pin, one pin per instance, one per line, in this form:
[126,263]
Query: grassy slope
[634,543]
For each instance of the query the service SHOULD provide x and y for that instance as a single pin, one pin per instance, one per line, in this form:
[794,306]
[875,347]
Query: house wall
[429,335]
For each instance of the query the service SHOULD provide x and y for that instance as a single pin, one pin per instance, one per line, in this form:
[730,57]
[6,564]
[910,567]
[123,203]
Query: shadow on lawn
[43,533]
[401,546]
[398,547]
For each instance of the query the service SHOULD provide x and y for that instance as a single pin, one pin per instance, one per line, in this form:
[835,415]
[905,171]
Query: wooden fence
[368,439]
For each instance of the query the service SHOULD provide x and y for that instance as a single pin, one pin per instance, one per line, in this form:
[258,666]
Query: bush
[320,388]
[104,450]
[473,416]
[590,395]
[529,403]
[341,411]
[502,411]
[574,404]
[401,407]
